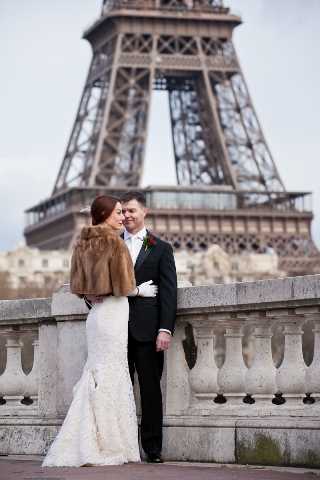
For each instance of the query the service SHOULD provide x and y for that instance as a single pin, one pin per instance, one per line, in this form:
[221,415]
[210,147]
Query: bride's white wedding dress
[101,425]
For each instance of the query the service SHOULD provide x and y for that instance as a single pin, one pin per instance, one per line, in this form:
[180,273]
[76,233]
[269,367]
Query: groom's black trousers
[148,364]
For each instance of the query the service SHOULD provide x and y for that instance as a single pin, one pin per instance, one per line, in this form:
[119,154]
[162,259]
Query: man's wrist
[164,330]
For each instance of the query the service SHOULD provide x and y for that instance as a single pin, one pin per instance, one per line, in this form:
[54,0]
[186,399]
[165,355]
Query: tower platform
[192,219]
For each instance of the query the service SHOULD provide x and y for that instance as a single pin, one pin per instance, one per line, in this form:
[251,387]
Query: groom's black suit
[148,315]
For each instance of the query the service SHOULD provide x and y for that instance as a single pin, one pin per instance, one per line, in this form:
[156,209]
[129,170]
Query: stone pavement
[20,467]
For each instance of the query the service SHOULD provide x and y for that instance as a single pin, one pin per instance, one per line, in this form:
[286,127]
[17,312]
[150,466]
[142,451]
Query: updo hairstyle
[101,208]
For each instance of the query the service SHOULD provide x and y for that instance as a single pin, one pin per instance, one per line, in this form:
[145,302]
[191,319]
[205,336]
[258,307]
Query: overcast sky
[43,68]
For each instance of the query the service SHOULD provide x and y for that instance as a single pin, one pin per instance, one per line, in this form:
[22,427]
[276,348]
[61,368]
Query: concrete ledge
[281,447]
[284,291]
[199,444]
[65,303]
[282,422]
[26,439]
[257,441]
[247,295]
[243,445]
[24,311]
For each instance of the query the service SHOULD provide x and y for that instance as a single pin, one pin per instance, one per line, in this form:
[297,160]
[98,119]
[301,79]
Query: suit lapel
[143,254]
[141,258]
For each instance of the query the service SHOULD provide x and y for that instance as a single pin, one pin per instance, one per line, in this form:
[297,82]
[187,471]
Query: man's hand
[163,341]
[147,289]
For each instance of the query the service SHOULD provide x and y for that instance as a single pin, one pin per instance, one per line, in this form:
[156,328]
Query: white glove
[146,289]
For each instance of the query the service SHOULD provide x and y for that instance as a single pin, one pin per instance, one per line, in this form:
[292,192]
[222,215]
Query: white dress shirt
[134,244]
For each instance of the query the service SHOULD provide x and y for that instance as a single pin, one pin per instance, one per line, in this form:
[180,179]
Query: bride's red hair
[102,207]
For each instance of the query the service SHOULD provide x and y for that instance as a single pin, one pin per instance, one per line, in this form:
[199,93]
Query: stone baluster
[203,376]
[313,372]
[231,376]
[12,381]
[290,376]
[32,380]
[260,378]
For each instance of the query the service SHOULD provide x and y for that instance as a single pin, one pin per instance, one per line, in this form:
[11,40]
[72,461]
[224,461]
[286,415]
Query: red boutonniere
[148,242]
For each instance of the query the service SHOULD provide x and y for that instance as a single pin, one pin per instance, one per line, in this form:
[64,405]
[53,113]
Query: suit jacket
[147,315]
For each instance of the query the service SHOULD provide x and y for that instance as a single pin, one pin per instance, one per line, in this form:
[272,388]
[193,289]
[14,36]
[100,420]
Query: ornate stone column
[231,376]
[291,374]
[12,381]
[203,376]
[260,378]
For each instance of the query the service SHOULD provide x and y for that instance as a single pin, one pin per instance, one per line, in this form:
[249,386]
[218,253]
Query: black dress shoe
[154,459]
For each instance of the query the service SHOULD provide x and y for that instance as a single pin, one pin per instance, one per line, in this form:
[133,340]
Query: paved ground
[29,468]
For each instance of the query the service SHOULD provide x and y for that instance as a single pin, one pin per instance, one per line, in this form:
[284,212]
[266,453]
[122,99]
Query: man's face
[134,215]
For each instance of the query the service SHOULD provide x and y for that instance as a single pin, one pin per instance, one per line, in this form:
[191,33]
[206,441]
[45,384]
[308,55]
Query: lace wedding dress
[101,425]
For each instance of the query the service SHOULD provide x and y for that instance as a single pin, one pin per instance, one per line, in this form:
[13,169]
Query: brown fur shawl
[101,263]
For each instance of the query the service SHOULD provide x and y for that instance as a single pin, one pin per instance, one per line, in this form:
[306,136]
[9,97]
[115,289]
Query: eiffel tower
[229,190]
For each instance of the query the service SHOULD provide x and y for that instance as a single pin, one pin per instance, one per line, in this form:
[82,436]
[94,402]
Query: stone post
[48,347]
[260,378]
[290,375]
[231,376]
[70,313]
[203,376]
[12,381]
[71,356]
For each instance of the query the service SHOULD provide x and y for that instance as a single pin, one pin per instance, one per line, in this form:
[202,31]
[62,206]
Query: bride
[101,425]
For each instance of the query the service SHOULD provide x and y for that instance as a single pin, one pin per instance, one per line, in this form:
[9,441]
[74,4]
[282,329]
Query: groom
[151,320]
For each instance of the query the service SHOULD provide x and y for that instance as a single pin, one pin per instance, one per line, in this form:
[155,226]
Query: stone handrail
[241,359]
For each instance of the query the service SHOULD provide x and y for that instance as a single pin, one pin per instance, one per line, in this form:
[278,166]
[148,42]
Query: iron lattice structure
[229,190]
[216,133]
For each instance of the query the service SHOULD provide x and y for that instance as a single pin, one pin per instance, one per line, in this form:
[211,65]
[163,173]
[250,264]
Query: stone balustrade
[17,388]
[260,384]
[241,380]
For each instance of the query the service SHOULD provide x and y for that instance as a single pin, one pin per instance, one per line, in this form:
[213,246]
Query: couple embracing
[128,279]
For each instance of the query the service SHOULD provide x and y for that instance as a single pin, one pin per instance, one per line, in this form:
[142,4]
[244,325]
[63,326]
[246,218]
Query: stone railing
[241,381]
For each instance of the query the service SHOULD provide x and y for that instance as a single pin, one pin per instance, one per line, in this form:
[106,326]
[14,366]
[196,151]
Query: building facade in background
[35,273]
[30,269]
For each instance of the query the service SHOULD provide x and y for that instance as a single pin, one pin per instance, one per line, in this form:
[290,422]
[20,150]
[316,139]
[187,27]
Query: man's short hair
[134,195]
